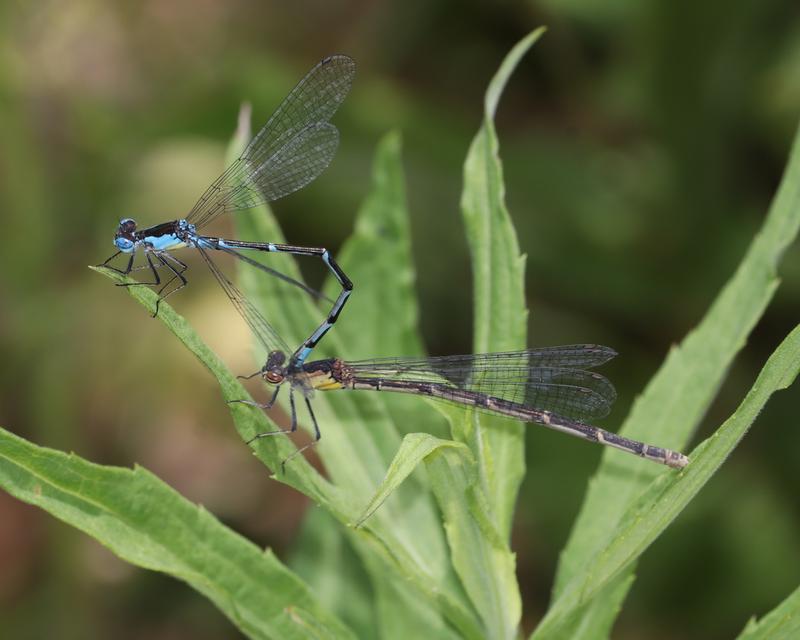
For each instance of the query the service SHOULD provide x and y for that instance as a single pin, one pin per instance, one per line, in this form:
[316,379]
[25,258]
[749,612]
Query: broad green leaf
[445,596]
[668,495]
[675,400]
[381,317]
[782,623]
[147,523]
[381,320]
[596,622]
[498,272]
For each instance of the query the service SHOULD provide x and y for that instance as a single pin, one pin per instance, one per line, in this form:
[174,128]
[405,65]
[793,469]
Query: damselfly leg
[292,428]
[292,149]
[173,264]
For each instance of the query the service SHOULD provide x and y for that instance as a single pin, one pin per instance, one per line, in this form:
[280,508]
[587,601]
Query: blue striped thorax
[161,237]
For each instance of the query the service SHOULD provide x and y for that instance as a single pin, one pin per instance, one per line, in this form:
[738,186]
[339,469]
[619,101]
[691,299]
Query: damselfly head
[274,372]
[124,237]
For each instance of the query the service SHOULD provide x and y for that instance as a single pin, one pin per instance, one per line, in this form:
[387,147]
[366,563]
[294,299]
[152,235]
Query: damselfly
[552,386]
[292,149]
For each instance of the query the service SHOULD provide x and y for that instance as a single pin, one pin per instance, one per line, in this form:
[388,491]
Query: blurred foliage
[641,142]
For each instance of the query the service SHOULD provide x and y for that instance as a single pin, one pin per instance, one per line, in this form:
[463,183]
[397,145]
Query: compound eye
[123,244]
[127,225]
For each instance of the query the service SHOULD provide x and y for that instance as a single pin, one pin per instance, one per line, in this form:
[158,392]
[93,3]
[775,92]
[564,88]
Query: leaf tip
[510,62]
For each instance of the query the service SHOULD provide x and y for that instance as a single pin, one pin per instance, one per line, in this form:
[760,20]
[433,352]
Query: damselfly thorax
[165,236]
[294,147]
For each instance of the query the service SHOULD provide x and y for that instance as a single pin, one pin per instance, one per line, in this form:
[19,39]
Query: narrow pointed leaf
[360,437]
[677,397]
[248,420]
[478,527]
[415,448]
[782,623]
[483,562]
[669,494]
[498,272]
[382,315]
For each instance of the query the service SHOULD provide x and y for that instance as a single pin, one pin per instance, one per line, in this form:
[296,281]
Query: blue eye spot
[123,244]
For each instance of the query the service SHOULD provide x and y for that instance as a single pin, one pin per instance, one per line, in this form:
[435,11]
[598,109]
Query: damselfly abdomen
[553,386]
[292,149]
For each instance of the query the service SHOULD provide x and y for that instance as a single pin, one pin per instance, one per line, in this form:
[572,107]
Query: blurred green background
[642,144]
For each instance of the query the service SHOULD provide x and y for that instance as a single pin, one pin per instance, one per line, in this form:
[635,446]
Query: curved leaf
[669,494]
[414,449]
[478,528]
[678,396]
[781,623]
[147,523]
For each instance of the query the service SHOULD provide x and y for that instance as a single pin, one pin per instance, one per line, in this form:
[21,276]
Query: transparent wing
[291,150]
[275,274]
[244,186]
[294,165]
[580,356]
[262,329]
[554,379]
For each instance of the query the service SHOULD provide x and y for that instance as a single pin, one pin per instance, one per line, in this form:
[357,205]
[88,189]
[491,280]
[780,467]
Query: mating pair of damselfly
[553,387]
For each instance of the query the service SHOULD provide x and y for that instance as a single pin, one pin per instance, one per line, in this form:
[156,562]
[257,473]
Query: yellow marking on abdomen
[326,384]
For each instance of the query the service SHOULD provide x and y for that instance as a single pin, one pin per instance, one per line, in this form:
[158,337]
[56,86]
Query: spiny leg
[129,268]
[250,377]
[317,435]
[153,269]
[164,259]
[125,271]
[253,403]
[276,432]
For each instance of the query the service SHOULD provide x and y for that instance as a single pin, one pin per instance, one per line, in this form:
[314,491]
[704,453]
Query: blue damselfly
[292,149]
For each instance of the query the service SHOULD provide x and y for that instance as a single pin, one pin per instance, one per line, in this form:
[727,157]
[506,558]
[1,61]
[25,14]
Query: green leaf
[414,449]
[677,397]
[249,422]
[381,316]
[596,622]
[147,523]
[323,556]
[499,289]
[668,495]
[482,560]
[389,533]
[477,493]
[360,436]
[399,610]
[782,622]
